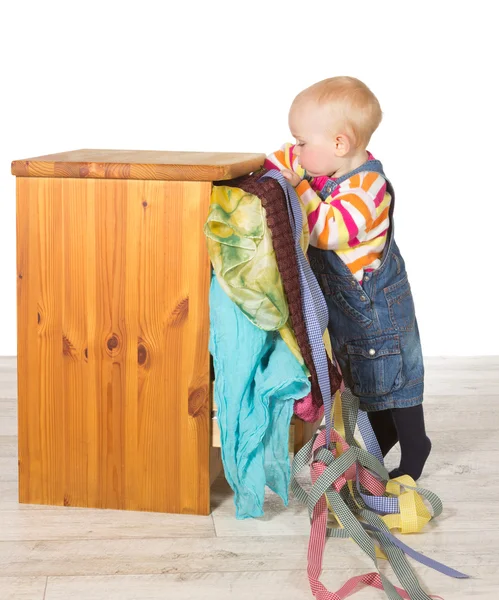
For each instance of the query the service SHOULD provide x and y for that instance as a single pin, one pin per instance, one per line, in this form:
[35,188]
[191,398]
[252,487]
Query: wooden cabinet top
[140,164]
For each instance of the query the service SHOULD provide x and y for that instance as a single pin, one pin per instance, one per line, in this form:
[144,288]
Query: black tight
[407,426]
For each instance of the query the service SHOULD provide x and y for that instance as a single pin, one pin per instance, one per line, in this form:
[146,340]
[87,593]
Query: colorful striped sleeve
[285,159]
[355,213]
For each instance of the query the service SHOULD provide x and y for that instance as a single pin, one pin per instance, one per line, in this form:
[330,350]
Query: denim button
[372,352]
[363,298]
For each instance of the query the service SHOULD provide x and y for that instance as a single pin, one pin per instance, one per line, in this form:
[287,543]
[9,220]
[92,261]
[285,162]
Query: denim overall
[373,327]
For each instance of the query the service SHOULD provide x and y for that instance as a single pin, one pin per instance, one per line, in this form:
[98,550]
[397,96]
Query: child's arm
[285,160]
[347,217]
[356,212]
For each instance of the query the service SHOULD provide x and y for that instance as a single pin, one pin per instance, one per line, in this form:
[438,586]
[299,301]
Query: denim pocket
[401,305]
[375,365]
[350,311]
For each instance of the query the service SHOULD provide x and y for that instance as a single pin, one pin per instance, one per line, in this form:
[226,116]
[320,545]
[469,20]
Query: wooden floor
[79,554]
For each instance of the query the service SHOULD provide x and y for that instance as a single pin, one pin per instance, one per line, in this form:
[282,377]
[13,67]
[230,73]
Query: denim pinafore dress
[373,326]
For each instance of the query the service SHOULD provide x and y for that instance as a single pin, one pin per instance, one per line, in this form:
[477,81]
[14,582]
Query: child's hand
[292,177]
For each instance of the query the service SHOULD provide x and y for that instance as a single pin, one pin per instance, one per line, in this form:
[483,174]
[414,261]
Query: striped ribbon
[315,309]
[332,472]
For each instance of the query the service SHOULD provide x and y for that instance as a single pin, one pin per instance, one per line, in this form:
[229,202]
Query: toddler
[349,204]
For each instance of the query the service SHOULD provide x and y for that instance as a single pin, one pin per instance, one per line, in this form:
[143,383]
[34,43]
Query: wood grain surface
[113,360]
[140,164]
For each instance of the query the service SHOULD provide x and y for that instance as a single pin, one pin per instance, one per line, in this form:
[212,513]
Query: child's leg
[415,445]
[384,428]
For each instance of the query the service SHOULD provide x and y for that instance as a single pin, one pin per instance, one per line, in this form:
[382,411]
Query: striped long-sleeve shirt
[353,220]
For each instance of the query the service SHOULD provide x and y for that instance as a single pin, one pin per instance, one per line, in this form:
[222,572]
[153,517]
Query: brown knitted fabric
[273,200]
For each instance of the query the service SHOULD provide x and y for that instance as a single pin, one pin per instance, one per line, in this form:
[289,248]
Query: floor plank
[8,378]
[8,418]
[265,585]
[22,588]
[258,553]
[80,523]
[8,469]
[8,446]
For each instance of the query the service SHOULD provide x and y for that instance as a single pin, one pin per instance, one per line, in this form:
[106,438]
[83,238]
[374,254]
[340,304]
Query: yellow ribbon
[413,515]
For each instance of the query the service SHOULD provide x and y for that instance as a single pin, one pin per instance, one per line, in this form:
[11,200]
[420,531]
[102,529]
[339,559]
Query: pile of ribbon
[351,494]
[353,497]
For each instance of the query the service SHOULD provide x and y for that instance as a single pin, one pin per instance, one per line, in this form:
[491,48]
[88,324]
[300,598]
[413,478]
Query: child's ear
[342,145]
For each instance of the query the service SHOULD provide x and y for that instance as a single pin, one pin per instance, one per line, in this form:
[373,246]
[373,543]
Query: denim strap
[370,165]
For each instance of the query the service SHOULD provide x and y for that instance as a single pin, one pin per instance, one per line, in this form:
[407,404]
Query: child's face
[315,148]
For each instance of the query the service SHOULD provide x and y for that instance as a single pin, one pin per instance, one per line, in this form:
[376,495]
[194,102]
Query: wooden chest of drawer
[113,364]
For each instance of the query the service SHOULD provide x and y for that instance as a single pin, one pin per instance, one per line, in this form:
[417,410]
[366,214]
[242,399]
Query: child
[349,204]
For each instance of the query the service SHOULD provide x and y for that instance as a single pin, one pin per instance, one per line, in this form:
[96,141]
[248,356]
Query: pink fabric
[312,218]
[306,410]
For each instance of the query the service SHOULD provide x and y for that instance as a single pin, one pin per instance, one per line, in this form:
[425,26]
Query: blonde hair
[352,102]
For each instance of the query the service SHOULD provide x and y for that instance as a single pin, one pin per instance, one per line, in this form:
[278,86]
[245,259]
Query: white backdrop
[219,76]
